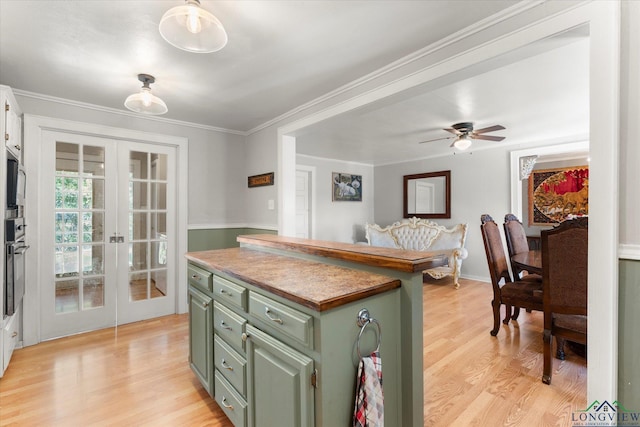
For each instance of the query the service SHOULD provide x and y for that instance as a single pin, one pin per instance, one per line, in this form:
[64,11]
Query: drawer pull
[225,292]
[225,404]
[225,326]
[14,334]
[268,312]
[225,365]
[195,277]
[205,304]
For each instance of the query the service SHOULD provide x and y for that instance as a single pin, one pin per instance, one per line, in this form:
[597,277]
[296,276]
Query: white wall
[217,179]
[479,184]
[340,221]
[261,157]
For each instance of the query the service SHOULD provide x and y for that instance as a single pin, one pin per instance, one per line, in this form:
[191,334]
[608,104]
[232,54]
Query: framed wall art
[346,187]
[260,180]
[557,194]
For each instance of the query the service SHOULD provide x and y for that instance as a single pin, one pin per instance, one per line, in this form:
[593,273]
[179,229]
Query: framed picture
[557,194]
[260,180]
[346,187]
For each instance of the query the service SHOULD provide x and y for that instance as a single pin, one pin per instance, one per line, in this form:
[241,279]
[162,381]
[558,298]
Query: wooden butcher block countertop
[394,259]
[312,284]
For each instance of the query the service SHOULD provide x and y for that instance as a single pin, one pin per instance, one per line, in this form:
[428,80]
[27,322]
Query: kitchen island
[284,310]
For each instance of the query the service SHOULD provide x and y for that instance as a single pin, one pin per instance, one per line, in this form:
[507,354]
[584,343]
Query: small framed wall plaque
[260,180]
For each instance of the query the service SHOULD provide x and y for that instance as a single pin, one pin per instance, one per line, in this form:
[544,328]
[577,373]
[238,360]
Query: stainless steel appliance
[16,180]
[15,248]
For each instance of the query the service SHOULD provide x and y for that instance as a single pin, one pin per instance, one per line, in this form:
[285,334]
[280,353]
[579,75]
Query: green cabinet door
[201,337]
[280,392]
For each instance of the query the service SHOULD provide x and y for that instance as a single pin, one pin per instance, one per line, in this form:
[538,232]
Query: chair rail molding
[629,252]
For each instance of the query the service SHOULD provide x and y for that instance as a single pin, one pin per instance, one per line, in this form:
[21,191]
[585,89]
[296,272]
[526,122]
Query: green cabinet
[269,361]
[201,338]
[279,386]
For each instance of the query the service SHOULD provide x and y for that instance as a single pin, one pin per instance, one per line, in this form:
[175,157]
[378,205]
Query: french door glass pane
[138,286]
[93,193]
[66,158]
[67,296]
[79,227]
[138,195]
[93,293]
[93,160]
[138,229]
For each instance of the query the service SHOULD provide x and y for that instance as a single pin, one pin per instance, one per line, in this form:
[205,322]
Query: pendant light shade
[144,101]
[189,27]
[463,142]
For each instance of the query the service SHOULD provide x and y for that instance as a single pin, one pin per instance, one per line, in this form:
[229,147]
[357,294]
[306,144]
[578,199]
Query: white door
[103,221]
[147,192]
[302,204]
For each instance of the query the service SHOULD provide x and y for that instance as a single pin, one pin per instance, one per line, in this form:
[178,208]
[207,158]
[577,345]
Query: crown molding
[327,159]
[481,25]
[109,110]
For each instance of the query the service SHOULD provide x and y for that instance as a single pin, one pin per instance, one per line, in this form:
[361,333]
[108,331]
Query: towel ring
[364,320]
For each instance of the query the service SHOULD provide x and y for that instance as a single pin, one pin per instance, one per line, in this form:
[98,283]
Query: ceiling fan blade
[453,144]
[489,129]
[488,137]
[436,139]
[453,131]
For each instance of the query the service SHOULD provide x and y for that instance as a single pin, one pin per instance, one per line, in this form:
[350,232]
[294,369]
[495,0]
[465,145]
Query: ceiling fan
[464,133]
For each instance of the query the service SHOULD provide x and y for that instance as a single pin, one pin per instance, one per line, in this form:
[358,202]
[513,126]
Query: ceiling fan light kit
[462,142]
[144,101]
[190,27]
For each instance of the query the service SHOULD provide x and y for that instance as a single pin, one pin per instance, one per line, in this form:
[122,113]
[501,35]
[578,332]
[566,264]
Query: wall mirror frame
[427,195]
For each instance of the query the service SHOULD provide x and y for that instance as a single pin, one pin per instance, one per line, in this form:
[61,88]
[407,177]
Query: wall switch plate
[271,204]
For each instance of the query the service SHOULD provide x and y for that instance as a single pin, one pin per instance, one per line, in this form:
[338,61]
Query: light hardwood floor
[138,374]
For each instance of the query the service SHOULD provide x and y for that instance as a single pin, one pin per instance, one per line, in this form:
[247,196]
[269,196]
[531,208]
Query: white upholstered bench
[423,235]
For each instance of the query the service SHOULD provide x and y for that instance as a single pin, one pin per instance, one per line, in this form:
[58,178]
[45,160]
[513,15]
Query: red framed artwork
[557,194]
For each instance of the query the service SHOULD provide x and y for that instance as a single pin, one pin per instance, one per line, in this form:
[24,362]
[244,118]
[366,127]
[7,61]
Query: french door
[109,243]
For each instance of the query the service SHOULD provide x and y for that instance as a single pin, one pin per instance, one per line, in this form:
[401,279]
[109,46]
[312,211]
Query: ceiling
[283,54]
[539,93]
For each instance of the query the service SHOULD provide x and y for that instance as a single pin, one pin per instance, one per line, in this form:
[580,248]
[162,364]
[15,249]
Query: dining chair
[517,243]
[564,286]
[522,293]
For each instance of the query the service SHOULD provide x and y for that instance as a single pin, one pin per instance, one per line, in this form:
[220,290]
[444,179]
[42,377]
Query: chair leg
[516,313]
[496,317]
[560,348]
[546,355]
[456,284]
[507,314]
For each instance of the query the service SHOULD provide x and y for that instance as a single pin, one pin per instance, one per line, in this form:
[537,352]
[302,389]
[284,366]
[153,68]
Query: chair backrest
[498,267]
[515,235]
[564,267]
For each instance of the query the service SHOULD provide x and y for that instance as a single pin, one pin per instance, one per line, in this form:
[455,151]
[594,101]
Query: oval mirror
[427,195]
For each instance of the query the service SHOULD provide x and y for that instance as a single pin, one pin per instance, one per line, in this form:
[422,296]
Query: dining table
[530,261]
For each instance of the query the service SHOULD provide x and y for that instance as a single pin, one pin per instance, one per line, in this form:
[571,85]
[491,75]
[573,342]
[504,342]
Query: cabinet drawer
[10,339]
[230,364]
[228,325]
[231,293]
[233,405]
[279,317]
[200,278]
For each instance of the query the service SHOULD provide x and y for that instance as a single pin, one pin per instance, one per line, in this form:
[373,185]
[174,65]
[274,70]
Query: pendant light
[190,27]
[144,101]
